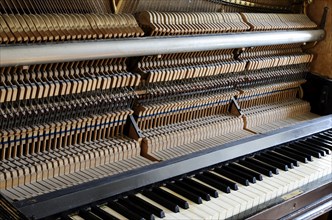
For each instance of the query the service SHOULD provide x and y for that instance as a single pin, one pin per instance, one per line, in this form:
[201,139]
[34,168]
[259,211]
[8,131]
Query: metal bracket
[235,108]
[133,130]
[310,45]
[237,52]
[324,17]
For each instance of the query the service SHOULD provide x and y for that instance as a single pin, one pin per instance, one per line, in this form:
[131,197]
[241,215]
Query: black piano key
[278,159]
[195,190]
[289,159]
[242,180]
[320,142]
[136,209]
[229,183]
[325,149]
[222,187]
[308,156]
[290,154]
[323,136]
[155,210]
[102,214]
[124,211]
[273,169]
[256,168]
[327,141]
[176,200]
[88,215]
[185,193]
[162,201]
[313,147]
[236,171]
[212,192]
[273,162]
[257,175]
[306,149]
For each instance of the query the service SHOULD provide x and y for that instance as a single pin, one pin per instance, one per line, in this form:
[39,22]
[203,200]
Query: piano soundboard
[140,109]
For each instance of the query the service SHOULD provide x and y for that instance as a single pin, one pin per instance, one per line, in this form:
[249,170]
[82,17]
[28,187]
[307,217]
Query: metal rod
[15,55]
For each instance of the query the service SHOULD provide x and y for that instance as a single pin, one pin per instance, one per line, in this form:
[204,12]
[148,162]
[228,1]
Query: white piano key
[232,208]
[76,217]
[112,212]
[200,210]
[244,202]
[168,213]
[278,186]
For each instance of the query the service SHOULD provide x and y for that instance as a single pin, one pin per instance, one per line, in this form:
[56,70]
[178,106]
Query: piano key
[291,160]
[168,213]
[176,200]
[321,150]
[204,195]
[162,201]
[273,169]
[256,168]
[201,210]
[184,192]
[295,151]
[73,217]
[229,203]
[230,184]
[288,163]
[325,140]
[155,210]
[136,209]
[257,175]
[88,215]
[274,162]
[212,192]
[113,213]
[245,193]
[124,211]
[292,155]
[323,136]
[101,213]
[302,148]
[320,142]
[250,177]
[232,176]
[213,183]
[250,197]
[63,216]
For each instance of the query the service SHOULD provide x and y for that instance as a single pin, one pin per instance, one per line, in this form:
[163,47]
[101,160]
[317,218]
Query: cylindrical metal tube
[14,55]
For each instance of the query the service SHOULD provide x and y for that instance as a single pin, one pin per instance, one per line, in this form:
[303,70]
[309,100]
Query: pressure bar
[57,52]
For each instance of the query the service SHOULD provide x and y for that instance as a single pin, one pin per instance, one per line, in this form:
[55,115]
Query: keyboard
[235,189]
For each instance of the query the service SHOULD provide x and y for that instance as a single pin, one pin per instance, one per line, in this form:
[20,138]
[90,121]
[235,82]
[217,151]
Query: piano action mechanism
[187,109]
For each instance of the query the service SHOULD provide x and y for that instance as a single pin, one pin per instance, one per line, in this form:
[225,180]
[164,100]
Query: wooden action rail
[37,174]
[173,23]
[172,67]
[30,28]
[170,112]
[265,94]
[178,134]
[188,65]
[60,79]
[134,6]
[63,108]
[268,117]
[190,132]
[264,22]
[273,56]
[22,141]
